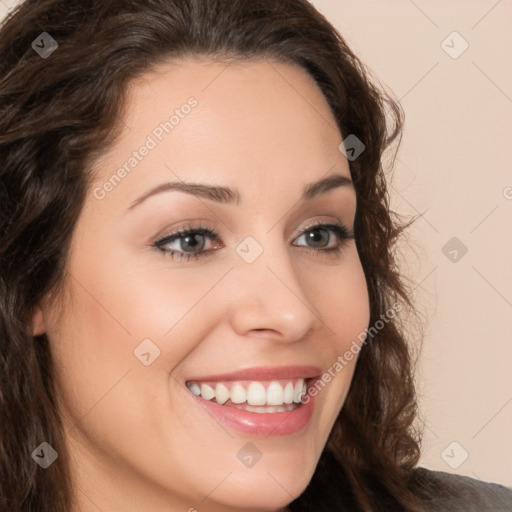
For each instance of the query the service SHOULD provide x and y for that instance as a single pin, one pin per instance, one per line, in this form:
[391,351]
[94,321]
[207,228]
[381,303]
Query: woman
[199,296]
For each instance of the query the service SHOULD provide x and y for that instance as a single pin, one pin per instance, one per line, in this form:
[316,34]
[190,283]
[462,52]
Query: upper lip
[264,373]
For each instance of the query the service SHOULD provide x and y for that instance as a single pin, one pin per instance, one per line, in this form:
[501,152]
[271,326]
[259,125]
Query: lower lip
[261,424]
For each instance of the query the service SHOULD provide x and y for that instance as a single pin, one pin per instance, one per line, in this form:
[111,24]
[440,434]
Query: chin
[270,487]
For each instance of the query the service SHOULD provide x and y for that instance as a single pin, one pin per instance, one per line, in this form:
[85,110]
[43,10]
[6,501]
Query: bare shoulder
[442,492]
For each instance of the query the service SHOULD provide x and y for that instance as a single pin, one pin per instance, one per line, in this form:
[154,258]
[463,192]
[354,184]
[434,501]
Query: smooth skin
[137,437]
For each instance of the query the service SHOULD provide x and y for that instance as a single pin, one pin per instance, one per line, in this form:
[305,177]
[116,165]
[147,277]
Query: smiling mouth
[260,396]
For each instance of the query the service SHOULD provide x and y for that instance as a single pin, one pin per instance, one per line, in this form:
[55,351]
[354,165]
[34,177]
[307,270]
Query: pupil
[191,241]
[318,235]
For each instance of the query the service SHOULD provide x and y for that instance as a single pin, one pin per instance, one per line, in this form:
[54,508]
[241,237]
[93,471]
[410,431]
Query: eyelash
[341,232]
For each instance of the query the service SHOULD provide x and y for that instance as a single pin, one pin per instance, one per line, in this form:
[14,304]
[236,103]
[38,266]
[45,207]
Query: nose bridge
[268,293]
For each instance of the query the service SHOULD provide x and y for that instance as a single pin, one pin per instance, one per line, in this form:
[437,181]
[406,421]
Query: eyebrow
[226,195]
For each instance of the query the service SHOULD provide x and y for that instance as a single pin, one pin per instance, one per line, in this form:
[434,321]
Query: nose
[269,299]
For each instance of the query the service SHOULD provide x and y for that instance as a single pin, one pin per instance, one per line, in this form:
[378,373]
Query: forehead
[230,122]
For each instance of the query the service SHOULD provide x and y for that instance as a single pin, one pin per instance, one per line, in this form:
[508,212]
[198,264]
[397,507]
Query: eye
[188,242]
[192,241]
[326,237]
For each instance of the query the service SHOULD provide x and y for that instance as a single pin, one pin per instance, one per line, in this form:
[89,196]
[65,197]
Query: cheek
[110,395]
[115,314]
[116,310]
[345,303]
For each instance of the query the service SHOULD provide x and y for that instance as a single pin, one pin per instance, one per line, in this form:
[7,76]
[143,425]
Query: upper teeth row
[254,394]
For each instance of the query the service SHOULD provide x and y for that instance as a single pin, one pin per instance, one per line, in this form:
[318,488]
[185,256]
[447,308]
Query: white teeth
[194,387]
[221,394]
[288,393]
[207,392]
[256,394]
[275,394]
[238,394]
[299,389]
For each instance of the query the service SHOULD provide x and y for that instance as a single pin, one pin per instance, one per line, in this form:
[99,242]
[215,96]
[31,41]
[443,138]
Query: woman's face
[255,295]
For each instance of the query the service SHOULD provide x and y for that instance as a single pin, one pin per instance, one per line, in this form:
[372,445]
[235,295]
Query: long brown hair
[59,113]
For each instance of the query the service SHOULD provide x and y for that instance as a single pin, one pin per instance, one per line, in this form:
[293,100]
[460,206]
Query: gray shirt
[454,493]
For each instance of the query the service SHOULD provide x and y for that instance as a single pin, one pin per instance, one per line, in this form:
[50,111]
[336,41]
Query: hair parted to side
[57,115]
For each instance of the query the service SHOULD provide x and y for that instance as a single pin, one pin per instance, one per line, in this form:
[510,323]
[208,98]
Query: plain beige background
[454,168]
